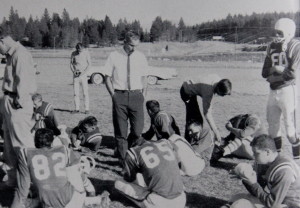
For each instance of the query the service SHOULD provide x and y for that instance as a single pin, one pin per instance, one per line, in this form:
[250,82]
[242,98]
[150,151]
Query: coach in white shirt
[126,81]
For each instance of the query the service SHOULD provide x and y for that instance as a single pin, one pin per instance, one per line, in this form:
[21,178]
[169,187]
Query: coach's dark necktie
[128,70]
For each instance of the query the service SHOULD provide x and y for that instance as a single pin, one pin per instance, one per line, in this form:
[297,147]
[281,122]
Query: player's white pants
[77,81]
[245,150]
[146,199]
[16,127]
[282,102]
[191,163]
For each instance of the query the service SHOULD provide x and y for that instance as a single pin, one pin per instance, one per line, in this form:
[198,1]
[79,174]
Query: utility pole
[236,41]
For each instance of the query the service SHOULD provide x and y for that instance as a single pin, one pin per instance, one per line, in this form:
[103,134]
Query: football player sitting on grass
[86,134]
[44,113]
[55,174]
[163,125]
[152,176]
[282,178]
[243,128]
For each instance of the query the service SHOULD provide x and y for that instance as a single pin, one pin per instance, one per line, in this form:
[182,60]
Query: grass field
[214,186]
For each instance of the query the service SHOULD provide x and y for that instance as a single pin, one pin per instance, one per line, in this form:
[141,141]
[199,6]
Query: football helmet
[87,164]
[285,30]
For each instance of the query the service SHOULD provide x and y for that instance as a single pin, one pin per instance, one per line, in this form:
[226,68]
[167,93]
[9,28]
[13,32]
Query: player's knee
[196,168]
[242,203]
[291,133]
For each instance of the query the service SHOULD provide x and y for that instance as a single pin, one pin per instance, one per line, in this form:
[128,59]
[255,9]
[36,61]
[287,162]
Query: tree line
[55,31]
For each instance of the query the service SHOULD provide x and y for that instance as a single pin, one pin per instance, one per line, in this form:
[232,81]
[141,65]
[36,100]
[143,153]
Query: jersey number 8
[151,159]
[41,167]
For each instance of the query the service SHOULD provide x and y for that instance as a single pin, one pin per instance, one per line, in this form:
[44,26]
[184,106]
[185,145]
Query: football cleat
[217,153]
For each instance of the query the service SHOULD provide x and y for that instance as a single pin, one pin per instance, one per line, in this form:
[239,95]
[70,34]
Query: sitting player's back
[159,167]
[47,168]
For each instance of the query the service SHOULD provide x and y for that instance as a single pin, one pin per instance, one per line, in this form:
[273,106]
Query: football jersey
[47,169]
[289,58]
[157,163]
[91,140]
[249,125]
[45,110]
[283,183]
[163,125]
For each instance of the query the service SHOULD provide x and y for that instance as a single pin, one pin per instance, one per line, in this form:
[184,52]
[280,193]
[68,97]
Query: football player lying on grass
[86,134]
[201,139]
[55,174]
[282,178]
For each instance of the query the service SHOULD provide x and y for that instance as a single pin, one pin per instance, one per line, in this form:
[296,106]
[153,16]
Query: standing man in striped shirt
[280,66]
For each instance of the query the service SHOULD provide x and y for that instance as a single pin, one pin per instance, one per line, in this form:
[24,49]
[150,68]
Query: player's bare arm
[109,85]
[145,85]
[212,125]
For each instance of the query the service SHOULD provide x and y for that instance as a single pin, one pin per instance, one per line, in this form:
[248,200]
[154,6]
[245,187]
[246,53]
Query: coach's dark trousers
[127,105]
[193,112]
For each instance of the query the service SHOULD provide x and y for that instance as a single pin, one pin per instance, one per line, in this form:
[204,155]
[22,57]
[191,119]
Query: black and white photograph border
[181,40]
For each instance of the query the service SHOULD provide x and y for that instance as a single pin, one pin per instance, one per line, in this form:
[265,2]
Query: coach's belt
[127,90]
[9,93]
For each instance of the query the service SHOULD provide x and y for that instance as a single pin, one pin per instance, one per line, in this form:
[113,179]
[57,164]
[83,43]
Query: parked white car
[96,75]
[3,64]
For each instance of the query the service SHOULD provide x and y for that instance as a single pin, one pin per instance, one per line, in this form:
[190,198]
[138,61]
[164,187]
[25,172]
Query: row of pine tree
[55,31]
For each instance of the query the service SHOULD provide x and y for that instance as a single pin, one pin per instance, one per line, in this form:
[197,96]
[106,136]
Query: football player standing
[280,66]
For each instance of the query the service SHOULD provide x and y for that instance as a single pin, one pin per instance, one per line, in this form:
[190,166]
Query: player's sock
[278,143]
[232,146]
[296,149]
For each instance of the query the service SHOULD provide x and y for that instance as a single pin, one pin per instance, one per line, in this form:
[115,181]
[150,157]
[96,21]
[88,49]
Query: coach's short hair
[37,96]
[263,142]
[153,105]
[224,87]
[129,36]
[43,138]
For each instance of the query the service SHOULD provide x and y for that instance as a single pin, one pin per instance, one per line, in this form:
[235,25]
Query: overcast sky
[192,11]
